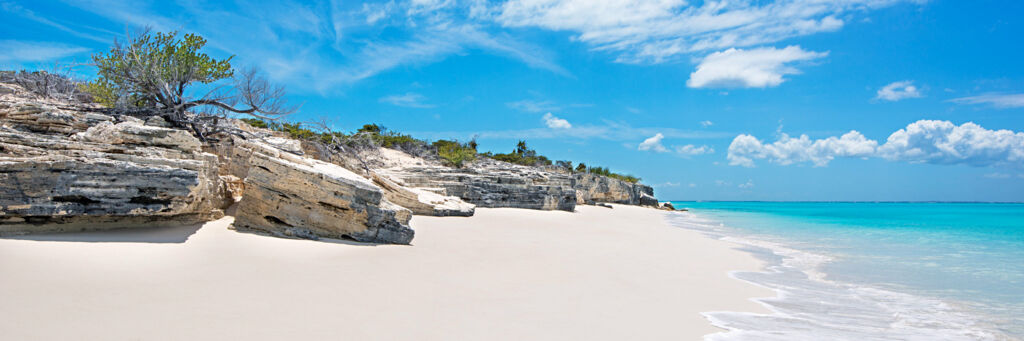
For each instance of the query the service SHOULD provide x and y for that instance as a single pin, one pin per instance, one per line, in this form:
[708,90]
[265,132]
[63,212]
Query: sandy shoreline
[596,274]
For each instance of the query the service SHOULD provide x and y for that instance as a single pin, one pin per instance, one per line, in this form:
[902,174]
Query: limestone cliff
[591,188]
[67,170]
[290,195]
[490,183]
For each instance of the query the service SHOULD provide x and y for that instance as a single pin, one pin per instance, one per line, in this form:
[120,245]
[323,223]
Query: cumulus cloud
[555,123]
[691,150]
[924,141]
[653,143]
[408,100]
[943,142]
[788,150]
[898,90]
[754,68]
[1001,101]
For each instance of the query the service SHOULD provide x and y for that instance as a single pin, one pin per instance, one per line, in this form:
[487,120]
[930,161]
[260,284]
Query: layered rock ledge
[65,170]
[293,196]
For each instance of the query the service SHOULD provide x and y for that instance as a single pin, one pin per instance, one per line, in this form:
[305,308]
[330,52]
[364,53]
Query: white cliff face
[67,170]
[289,195]
[63,169]
[490,183]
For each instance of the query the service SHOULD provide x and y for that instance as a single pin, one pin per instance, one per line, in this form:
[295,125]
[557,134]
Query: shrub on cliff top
[522,155]
[159,74]
[455,154]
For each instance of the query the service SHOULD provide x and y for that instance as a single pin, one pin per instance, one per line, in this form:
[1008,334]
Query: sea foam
[809,306]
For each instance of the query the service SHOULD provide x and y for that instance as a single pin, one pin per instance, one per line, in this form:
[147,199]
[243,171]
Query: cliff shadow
[157,234]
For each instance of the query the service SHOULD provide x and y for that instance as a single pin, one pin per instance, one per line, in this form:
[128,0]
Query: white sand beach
[504,274]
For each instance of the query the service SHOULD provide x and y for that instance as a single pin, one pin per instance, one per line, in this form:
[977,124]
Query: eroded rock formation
[489,183]
[289,195]
[591,188]
[67,170]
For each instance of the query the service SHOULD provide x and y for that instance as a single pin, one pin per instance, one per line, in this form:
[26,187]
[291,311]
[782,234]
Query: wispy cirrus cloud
[17,52]
[322,47]
[661,30]
[23,12]
[1000,101]
[408,100]
[534,105]
[612,131]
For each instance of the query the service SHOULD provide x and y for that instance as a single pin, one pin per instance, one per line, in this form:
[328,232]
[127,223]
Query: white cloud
[15,51]
[787,150]
[754,68]
[653,143]
[555,123]
[693,185]
[658,30]
[924,141]
[303,46]
[706,123]
[997,176]
[942,142]
[408,100]
[898,90]
[691,150]
[1001,101]
[534,106]
[749,184]
[609,130]
[78,31]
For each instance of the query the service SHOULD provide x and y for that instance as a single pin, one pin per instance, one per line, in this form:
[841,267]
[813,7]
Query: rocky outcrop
[422,202]
[67,170]
[289,195]
[591,188]
[489,183]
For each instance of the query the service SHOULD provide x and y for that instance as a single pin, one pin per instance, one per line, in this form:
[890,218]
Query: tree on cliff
[167,75]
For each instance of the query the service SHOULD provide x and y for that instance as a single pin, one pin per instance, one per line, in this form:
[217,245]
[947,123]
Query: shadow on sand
[163,234]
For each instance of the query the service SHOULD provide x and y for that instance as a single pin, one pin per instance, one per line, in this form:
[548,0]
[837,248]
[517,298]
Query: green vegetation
[525,156]
[155,70]
[167,75]
[455,154]
[390,139]
[522,155]
[604,171]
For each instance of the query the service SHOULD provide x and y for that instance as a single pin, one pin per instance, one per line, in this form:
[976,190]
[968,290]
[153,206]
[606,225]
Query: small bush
[454,153]
[522,155]
[255,122]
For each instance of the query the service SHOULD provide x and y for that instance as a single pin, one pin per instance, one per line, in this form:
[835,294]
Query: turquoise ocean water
[874,271]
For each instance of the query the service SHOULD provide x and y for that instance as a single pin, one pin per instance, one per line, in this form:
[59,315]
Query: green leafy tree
[161,74]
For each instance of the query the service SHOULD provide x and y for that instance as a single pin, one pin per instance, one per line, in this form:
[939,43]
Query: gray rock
[592,188]
[288,195]
[490,183]
[64,170]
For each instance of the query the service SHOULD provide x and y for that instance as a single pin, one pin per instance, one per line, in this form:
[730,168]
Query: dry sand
[504,274]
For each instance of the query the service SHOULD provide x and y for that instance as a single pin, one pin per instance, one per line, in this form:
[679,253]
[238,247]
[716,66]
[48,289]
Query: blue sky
[705,100]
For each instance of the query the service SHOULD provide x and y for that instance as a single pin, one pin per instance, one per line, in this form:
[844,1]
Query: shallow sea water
[874,271]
